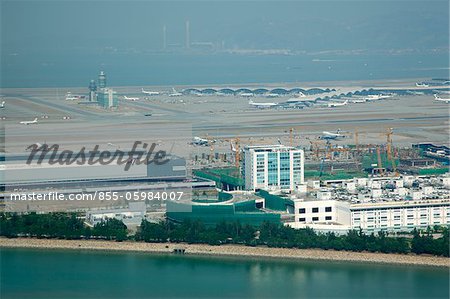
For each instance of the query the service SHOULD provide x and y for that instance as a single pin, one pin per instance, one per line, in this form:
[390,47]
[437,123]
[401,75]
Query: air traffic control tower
[106,97]
[92,91]
[102,79]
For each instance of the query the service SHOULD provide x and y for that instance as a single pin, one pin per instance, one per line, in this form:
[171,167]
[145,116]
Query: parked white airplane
[356,101]
[2,105]
[73,97]
[262,105]
[438,98]
[175,93]
[271,95]
[150,93]
[331,136]
[29,122]
[422,85]
[374,97]
[246,94]
[130,98]
[200,141]
[197,94]
[335,104]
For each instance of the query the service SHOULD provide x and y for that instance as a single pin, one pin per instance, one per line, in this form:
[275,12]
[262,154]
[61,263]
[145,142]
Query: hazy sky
[28,26]
[66,43]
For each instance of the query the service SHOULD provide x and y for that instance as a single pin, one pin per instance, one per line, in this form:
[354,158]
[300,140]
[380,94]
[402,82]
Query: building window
[327,217]
[315,219]
[302,211]
[301,219]
[327,209]
[315,210]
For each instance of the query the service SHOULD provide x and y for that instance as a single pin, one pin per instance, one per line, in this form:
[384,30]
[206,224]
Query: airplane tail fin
[233,149]
[250,102]
[436,97]
[346,102]
[35,120]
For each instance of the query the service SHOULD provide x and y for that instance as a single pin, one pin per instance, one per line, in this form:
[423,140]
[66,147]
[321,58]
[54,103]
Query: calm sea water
[125,69]
[29,273]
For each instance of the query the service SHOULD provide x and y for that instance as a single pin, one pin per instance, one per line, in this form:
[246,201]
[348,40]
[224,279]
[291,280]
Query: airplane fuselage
[377,97]
[262,105]
[200,141]
[131,98]
[150,93]
[332,105]
[439,99]
[29,122]
[246,94]
[331,136]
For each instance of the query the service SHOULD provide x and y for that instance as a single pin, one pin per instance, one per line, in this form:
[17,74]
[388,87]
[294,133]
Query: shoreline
[360,83]
[228,251]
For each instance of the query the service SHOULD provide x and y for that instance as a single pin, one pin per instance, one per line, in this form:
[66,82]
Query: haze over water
[66,43]
[191,69]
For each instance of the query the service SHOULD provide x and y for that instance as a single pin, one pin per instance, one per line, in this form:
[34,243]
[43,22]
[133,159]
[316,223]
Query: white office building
[341,216]
[273,167]
[322,211]
[375,204]
[400,215]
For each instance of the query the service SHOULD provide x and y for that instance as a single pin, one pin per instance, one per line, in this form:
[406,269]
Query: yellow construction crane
[358,145]
[211,142]
[237,152]
[389,148]
[315,147]
[292,136]
[380,165]
[291,131]
[329,151]
[389,143]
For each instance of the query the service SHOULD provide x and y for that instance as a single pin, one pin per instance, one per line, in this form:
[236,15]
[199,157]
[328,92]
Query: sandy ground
[229,250]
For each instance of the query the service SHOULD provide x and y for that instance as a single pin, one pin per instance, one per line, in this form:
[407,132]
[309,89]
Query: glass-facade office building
[273,167]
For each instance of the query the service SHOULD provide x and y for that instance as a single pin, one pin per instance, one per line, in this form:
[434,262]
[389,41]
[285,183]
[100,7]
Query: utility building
[107,98]
[273,167]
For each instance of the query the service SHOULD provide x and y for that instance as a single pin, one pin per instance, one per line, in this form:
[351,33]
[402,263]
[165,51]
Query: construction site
[325,158]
